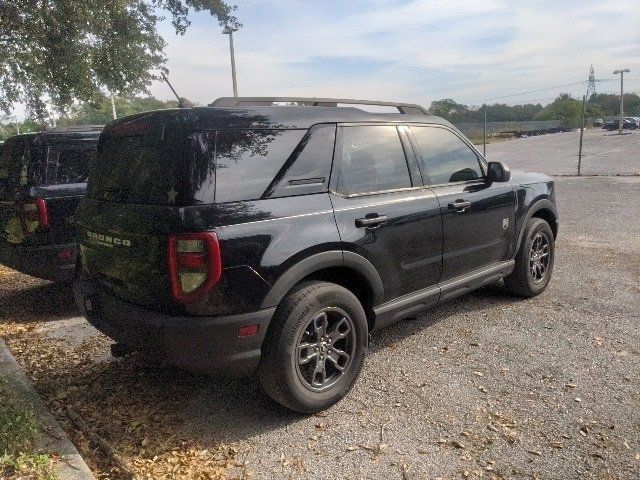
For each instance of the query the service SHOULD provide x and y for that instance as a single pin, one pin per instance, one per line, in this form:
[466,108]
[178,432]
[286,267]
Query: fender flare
[543,204]
[320,261]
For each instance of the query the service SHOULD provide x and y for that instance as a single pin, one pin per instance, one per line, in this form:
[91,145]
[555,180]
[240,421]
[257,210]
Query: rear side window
[248,160]
[444,157]
[308,168]
[69,163]
[373,160]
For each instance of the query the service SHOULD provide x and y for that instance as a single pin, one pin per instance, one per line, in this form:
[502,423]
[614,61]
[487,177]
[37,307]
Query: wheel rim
[325,349]
[539,257]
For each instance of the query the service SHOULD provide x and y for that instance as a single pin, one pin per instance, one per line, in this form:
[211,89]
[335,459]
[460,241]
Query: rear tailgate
[132,205]
[124,247]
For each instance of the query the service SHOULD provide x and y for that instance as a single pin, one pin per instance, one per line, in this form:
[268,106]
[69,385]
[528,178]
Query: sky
[408,50]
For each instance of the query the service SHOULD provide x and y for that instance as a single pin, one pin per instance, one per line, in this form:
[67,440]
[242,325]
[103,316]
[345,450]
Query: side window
[308,168]
[373,160]
[248,160]
[444,157]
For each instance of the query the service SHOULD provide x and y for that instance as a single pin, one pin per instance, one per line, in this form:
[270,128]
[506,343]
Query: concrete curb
[71,465]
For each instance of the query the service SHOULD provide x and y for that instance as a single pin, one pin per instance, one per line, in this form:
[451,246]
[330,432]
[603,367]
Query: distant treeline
[564,108]
[97,113]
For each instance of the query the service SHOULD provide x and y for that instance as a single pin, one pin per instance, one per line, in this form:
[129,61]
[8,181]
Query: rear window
[14,168]
[137,169]
[69,163]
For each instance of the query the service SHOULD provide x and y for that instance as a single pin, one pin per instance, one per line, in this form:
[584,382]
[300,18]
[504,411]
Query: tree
[70,50]
[450,109]
[100,113]
[610,103]
[8,127]
[564,108]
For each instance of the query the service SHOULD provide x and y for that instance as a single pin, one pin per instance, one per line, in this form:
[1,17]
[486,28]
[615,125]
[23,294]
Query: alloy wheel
[539,257]
[325,349]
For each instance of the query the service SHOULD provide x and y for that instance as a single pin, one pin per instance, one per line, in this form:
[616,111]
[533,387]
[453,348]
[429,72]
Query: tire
[527,280]
[295,333]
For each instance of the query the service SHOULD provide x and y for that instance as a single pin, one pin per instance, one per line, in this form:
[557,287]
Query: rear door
[383,211]
[478,217]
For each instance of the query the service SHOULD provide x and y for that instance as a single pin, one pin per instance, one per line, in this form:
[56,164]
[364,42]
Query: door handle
[371,222]
[459,205]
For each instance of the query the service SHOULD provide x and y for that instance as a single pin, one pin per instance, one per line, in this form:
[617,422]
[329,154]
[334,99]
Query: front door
[383,211]
[478,217]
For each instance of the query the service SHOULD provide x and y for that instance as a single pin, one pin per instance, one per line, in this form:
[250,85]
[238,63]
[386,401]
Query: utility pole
[584,107]
[621,72]
[113,107]
[229,31]
[484,136]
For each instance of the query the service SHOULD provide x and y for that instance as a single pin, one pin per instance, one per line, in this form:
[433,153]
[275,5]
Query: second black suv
[248,236]
[43,176]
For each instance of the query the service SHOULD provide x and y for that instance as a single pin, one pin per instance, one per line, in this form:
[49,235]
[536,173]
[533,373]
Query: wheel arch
[544,209]
[348,269]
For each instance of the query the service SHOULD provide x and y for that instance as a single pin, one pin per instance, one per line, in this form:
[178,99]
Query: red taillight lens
[195,265]
[34,215]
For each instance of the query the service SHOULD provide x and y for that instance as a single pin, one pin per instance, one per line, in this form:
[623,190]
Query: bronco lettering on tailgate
[108,240]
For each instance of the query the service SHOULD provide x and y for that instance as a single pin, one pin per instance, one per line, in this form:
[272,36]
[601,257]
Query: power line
[535,91]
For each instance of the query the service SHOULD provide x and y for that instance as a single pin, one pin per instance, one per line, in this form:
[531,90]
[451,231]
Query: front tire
[534,260]
[315,347]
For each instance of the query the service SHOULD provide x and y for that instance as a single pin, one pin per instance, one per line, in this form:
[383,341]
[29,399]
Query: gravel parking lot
[484,386]
[603,153]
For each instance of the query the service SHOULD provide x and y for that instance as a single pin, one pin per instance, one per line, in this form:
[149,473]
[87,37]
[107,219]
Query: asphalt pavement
[485,386]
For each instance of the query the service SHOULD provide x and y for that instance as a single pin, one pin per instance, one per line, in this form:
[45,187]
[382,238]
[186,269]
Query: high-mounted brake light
[34,215]
[195,265]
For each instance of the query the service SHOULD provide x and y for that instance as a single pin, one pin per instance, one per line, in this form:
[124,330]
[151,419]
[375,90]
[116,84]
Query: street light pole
[113,107]
[621,72]
[229,31]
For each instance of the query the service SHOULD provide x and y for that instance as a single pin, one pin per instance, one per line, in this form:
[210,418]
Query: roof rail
[405,108]
[78,128]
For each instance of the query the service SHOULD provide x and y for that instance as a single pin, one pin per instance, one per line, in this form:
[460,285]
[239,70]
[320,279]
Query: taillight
[195,265]
[34,215]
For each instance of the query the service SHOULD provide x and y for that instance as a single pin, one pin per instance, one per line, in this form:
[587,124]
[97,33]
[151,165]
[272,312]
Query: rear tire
[315,347]
[534,260]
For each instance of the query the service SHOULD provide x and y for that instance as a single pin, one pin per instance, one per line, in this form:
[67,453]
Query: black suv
[251,235]
[42,179]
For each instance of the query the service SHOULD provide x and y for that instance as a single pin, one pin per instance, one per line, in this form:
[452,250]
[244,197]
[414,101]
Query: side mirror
[498,172]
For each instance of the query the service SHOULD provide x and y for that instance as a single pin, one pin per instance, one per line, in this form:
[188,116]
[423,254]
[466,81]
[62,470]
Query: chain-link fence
[522,137]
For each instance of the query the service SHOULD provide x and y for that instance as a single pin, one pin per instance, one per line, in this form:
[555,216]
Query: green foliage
[71,50]
[610,103]
[564,108]
[451,110]
[100,113]
[18,433]
[8,127]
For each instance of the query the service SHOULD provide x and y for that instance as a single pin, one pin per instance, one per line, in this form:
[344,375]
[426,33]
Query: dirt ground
[485,386]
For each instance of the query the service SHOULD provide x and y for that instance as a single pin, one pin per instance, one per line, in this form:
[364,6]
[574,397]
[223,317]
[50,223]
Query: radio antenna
[182,102]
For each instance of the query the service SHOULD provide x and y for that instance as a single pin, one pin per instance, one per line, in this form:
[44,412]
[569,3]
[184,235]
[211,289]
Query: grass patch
[19,431]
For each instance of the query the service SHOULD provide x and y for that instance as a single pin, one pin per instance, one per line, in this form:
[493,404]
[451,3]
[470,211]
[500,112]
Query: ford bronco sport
[42,179]
[253,236]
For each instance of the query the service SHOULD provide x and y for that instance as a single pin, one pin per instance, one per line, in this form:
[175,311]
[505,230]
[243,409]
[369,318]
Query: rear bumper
[203,344]
[41,261]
